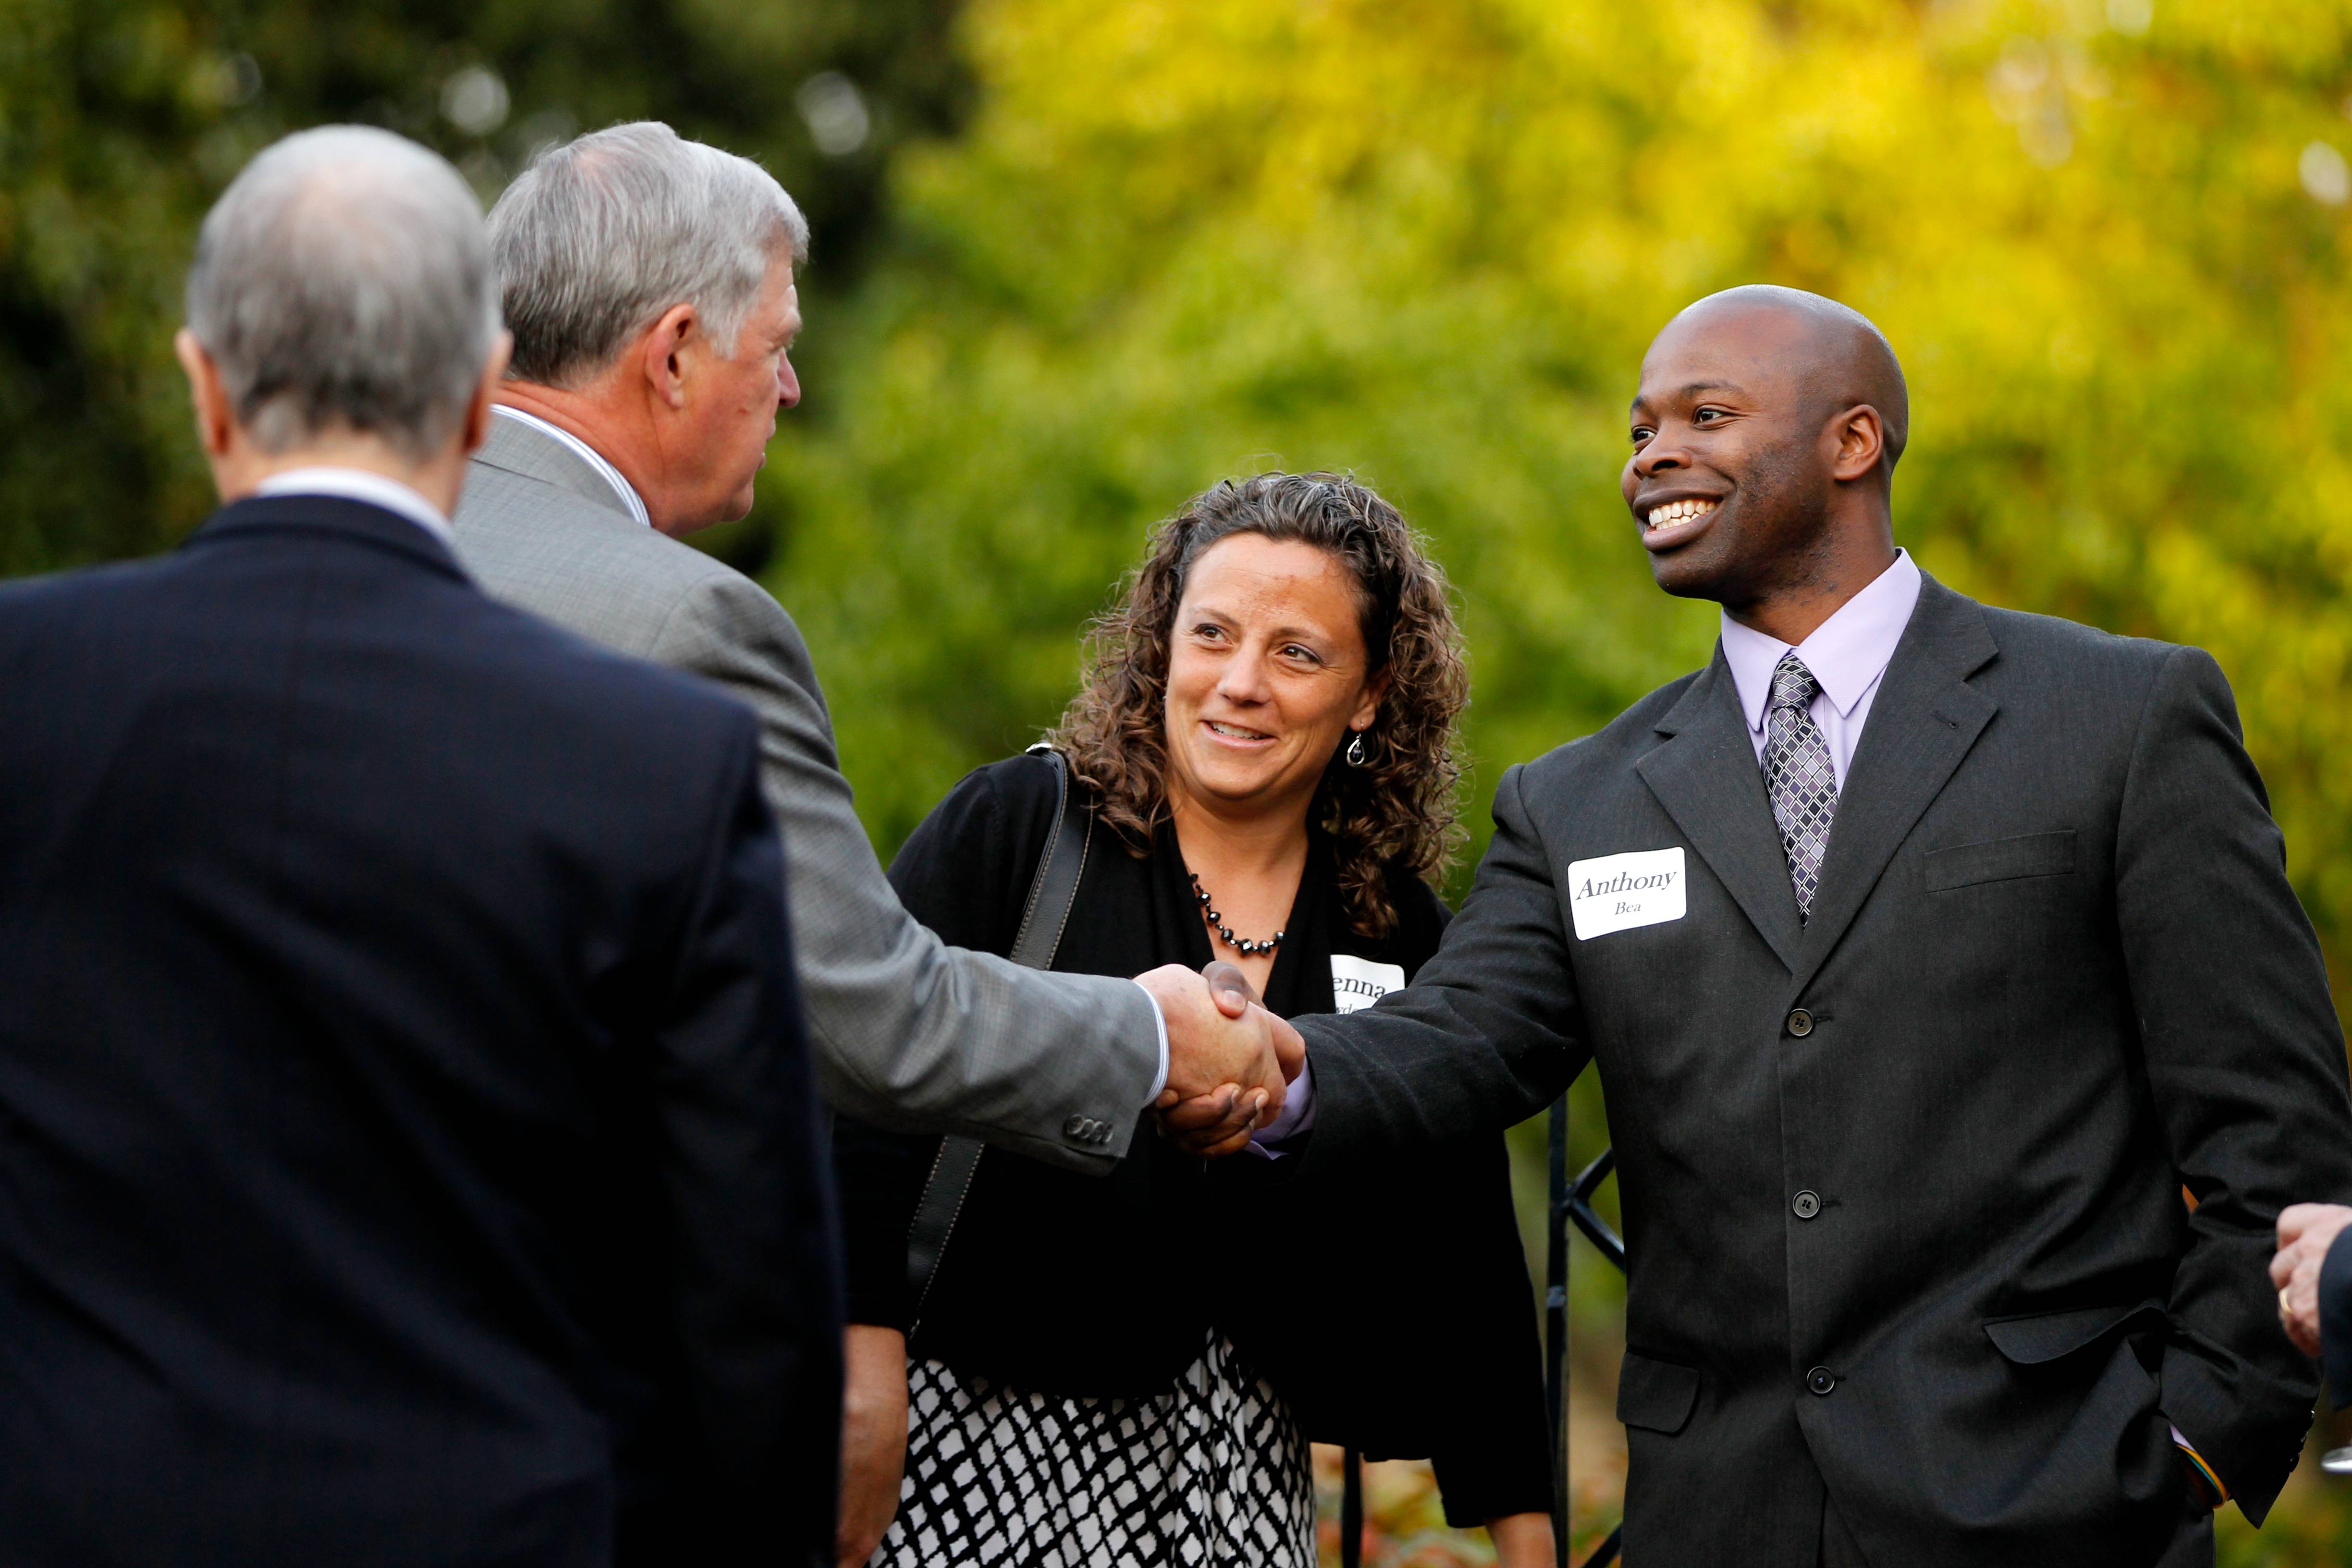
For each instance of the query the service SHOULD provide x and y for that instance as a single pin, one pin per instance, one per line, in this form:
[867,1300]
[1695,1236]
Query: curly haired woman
[1268,731]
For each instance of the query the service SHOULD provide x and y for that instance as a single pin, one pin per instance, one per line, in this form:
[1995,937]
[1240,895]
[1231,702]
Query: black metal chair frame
[1571,1202]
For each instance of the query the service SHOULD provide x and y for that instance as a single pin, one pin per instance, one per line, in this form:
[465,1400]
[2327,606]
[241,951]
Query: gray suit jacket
[910,1034]
[1902,1184]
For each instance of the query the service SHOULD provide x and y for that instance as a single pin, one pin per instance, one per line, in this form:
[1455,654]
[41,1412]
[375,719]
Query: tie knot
[1793,685]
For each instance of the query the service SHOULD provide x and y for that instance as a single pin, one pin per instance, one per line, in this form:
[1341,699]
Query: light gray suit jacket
[911,1033]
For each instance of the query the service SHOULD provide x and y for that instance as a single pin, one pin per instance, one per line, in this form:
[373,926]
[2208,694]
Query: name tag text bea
[1618,893]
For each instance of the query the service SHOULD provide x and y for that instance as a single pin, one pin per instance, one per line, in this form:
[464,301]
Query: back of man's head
[601,236]
[1837,353]
[342,285]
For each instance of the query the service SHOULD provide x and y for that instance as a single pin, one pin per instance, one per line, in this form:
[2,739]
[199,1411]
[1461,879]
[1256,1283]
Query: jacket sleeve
[1489,1444]
[962,875]
[2245,1063]
[1491,1448]
[2335,1318]
[882,1175]
[911,1033]
[739,1146]
[1488,1033]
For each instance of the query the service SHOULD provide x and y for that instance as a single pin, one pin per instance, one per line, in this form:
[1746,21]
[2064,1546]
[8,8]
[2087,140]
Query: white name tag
[1618,893]
[1359,982]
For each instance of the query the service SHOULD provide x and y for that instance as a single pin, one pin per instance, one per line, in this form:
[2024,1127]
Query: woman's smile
[1266,671]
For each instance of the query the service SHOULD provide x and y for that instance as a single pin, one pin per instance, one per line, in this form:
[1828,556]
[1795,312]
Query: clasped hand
[1229,1059]
[2305,1232]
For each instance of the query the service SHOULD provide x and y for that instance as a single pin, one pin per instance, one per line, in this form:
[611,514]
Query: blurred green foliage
[121,119]
[1429,240]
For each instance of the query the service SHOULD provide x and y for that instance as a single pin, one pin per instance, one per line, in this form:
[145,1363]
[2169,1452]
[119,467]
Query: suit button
[1807,1204]
[1800,1022]
[1076,1126]
[1820,1380]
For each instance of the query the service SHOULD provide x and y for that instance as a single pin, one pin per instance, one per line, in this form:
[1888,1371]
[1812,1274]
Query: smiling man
[1927,951]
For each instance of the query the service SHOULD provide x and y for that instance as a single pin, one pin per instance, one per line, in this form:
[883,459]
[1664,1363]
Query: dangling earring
[1354,751]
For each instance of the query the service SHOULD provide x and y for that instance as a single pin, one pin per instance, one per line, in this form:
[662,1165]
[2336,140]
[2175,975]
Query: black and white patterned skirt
[1213,1472]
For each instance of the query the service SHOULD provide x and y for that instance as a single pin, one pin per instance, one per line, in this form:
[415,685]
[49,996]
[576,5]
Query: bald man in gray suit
[649,283]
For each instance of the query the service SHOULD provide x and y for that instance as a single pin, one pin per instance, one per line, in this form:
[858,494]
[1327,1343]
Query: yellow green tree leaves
[1429,241]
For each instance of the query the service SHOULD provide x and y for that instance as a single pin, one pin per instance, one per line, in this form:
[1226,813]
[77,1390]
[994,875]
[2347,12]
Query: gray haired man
[648,282]
[410,1155]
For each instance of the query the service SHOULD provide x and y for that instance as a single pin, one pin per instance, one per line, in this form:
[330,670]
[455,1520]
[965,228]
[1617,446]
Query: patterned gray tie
[1797,777]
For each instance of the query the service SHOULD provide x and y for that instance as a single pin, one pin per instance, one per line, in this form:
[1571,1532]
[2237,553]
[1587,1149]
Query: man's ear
[664,353]
[477,413]
[215,421]
[1860,438]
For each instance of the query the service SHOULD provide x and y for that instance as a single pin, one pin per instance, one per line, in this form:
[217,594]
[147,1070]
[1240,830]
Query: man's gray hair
[343,283]
[601,236]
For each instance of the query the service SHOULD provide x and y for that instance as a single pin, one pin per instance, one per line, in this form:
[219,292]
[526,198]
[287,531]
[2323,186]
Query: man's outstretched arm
[1487,1035]
[911,1033]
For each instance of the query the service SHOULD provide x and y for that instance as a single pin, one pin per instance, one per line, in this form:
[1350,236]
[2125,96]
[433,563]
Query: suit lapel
[1921,723]
[1707,778]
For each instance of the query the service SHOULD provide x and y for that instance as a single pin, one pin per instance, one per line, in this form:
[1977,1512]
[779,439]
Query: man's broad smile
[1675,511]
[1669,524]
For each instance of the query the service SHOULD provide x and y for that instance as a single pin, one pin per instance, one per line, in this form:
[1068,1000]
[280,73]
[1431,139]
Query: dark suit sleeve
[1487,1433]
[2335,1318]
[1491,1450]
[755,1255]
[2245,1062]
[964,874]
[1488,1034]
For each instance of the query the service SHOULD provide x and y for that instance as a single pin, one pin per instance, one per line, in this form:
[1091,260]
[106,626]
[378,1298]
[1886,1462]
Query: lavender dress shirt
[1848,654]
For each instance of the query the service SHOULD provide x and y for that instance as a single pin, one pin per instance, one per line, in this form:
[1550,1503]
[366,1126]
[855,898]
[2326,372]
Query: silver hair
[342,282]
[601,236]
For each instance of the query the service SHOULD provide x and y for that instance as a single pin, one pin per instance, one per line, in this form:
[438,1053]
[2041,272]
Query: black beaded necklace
[1236,943]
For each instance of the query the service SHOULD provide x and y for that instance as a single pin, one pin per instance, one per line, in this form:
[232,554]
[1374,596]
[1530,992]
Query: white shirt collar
[358,484]
[631,502]
[1847,653]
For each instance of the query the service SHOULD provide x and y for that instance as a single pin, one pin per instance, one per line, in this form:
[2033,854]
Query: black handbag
[1052,890]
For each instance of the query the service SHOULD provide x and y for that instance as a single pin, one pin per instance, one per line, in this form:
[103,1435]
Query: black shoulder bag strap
[1051,892]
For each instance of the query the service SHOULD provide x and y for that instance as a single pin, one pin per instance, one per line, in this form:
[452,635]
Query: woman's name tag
[1618,893]
[1359,982]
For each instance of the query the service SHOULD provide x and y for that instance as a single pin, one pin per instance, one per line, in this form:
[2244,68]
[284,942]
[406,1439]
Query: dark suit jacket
[407,1146]
[1925,1243]
[1391,1309]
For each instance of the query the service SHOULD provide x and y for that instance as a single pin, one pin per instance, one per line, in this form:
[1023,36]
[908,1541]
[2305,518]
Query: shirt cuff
[1295,1119]
[1159,1022]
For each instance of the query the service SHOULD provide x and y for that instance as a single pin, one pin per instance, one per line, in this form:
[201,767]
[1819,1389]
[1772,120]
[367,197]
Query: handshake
[1229,1060]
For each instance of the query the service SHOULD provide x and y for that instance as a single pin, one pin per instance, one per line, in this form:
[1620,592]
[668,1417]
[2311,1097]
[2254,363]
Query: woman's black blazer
[1394,1313]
